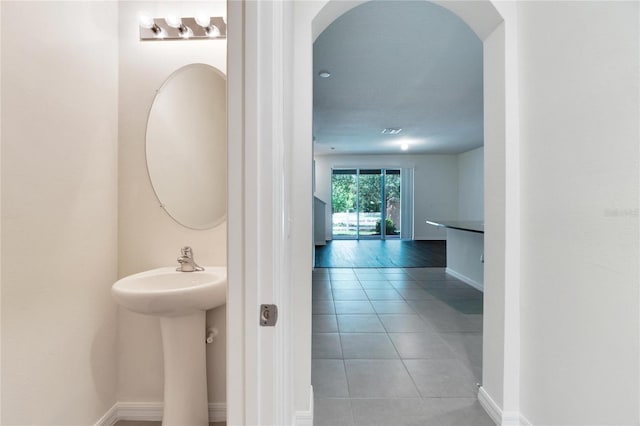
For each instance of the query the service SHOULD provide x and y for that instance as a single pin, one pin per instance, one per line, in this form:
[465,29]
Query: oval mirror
[187,146]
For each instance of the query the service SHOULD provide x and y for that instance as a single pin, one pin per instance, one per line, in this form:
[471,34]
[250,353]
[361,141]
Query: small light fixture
[324,74]
[175,28]
[391,131]
[404,146]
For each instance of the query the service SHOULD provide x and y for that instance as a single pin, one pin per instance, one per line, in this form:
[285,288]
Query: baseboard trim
[465,279]
[110,417]
[305,418]
[152,411]
[501,418]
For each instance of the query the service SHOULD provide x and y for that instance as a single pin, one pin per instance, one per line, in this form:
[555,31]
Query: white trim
[152,411]
[305,418]
[490,406]
[465,279]
[217,412]
[501,418]
[110,417]
[149,411]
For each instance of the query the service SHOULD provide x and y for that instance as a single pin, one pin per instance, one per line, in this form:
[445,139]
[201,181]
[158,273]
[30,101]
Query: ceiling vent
[391,131]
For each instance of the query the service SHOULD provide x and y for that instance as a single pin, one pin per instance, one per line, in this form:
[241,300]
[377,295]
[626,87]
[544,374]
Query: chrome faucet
[187,264]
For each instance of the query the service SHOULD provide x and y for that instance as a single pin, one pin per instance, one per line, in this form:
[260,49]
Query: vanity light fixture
[176,28]
[391,131]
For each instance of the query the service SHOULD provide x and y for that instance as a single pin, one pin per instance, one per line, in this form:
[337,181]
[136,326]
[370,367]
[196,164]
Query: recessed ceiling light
[324,74]
[404,146]
[391,131]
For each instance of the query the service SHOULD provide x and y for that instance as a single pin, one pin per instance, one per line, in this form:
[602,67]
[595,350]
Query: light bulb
[173,21]
[146,21]
[203,20]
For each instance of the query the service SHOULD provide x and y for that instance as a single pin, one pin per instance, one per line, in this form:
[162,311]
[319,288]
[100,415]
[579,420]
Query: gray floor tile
[392,270]
[392,307]
[430,307]
[467,306]
[328,378]
[390,294]
[321,284]
[340,271]
[322,293]
[396,276]
[433,284]
[371,378]
[447,320]
[324,324]
[405,284]
[421,346]
[467,348]
[326,345]
[442,377]
[349,295]
[404,323]
[477,320]
[332,412]
[346,285]
[345,276]
[353,307]
[414,294]
[389,412]
[323,307]
[367,345]
[375,275]
[376,285]
[459,412]
[360,324]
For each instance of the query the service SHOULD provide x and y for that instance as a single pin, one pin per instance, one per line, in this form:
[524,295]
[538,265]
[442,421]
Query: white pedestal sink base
[185,374]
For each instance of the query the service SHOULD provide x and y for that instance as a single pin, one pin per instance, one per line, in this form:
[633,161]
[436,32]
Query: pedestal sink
[180,299]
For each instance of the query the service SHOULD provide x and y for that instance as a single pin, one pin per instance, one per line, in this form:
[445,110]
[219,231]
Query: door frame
[259,377]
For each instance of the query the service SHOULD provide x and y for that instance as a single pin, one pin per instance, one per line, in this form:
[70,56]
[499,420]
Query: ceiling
[397,64]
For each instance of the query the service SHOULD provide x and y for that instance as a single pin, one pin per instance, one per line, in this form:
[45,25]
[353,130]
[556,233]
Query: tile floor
[394,347]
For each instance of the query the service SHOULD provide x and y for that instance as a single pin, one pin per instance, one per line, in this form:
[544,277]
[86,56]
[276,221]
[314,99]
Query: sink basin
[167,292]
[180,299]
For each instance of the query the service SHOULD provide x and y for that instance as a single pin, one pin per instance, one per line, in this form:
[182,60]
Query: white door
[258,358]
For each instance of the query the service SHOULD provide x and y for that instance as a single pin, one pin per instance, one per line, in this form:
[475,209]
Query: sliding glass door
[365,203]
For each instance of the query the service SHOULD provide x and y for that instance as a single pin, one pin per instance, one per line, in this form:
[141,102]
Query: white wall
[148,237]
[59,211]
[471,185]
[580,105]
[435,186]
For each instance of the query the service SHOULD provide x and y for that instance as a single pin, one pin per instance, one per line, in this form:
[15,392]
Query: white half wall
[435,185]
[465,251]
[148,237]
[471,185]
[59,211]
[580,103]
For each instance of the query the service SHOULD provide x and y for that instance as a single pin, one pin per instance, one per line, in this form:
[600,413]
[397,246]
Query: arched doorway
[501,354]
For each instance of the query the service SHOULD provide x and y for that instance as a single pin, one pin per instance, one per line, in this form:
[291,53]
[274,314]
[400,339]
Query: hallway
[396,346]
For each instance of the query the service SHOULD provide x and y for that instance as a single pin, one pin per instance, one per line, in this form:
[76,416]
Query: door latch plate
[268,315]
